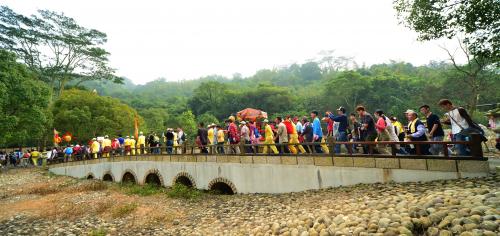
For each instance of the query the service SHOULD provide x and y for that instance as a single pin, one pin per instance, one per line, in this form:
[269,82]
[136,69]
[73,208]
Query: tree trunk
[474,95]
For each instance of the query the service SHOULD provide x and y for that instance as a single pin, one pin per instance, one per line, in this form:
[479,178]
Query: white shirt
[456,121]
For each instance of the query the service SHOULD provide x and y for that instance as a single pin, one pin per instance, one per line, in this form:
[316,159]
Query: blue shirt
[317,128]
[121,140]
[342,120]
[68,151]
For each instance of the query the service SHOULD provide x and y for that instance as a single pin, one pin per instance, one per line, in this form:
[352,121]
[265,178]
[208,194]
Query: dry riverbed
[33,202]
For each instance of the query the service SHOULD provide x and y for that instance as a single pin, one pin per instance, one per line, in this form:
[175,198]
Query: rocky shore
[34,203]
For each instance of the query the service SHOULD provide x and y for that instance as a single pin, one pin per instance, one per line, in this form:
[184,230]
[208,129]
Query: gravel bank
[458,207]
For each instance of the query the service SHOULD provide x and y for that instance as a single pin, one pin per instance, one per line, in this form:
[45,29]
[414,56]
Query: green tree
[207,119]
[56,47]
[155,119]
[347,89]
[23,104]
[476,21]
[187,122]
[208,97]
[86,114]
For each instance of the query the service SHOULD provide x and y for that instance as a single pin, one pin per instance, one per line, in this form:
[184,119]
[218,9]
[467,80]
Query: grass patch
[124,210]
[142,190]
[182,191]
[98,232]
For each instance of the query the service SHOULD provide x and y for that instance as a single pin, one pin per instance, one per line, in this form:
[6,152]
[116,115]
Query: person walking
[355,135]
[220,139]
[416,132]
[94,148]
[388,131]
[115,146]
[245,136]
[233,135]
[293,135]
[106,143]
[341,119]
[317,132]
[269,138]
[34,156]
[435,129]
[398,128]
[461,124]
[210,134]
[169,135]
[141,143]
[368,131]
[68,152]
[202,138]
[282,135]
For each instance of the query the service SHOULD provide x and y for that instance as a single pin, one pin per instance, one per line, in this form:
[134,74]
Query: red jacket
[289,126]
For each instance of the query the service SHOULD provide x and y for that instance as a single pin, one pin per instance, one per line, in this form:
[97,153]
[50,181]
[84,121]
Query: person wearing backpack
[461,123]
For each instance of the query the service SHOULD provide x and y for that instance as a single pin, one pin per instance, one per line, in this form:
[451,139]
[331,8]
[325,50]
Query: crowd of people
[305,134]
[283,135]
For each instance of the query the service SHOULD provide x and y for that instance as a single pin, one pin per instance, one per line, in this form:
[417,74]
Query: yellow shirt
[220,136]
[127,142]
[399,126]
[210,135]
[106,142]
[269,133]
[132,142]
[35,154]
[95,147]
[175,139]
[141,140]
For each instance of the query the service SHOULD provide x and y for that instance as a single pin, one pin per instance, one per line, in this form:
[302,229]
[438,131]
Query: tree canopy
[478,22]
[86,115]
[23,103]
[56,47]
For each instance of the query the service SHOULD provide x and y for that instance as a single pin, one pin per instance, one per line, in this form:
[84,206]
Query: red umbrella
[251,114]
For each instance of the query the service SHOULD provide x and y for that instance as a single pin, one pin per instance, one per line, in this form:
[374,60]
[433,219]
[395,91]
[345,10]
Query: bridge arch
[184,178]
[154,177]
[129,176]
[90,175]
[108,176]
[223,186]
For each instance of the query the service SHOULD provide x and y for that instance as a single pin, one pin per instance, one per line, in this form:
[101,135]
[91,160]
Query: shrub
[144,190]
[182,191]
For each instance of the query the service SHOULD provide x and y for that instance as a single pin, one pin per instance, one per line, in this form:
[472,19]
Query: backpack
[183,137]
[474,128]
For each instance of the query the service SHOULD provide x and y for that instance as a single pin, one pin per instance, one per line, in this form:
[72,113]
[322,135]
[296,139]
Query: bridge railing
[353,148]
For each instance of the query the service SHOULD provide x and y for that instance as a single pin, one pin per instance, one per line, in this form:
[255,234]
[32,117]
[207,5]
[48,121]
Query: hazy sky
[188,39]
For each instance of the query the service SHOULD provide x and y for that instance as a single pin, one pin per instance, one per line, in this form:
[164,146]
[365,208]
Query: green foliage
[155,119]
[187,122]
[476,21]
[23,103]
[86,115]
[207,119]
[55,47]
[182,191]
[142,190]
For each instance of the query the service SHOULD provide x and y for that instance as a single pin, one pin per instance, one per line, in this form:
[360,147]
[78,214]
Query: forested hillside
[298,89]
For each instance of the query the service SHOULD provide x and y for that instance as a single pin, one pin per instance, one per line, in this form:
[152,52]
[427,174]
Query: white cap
[410,111]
